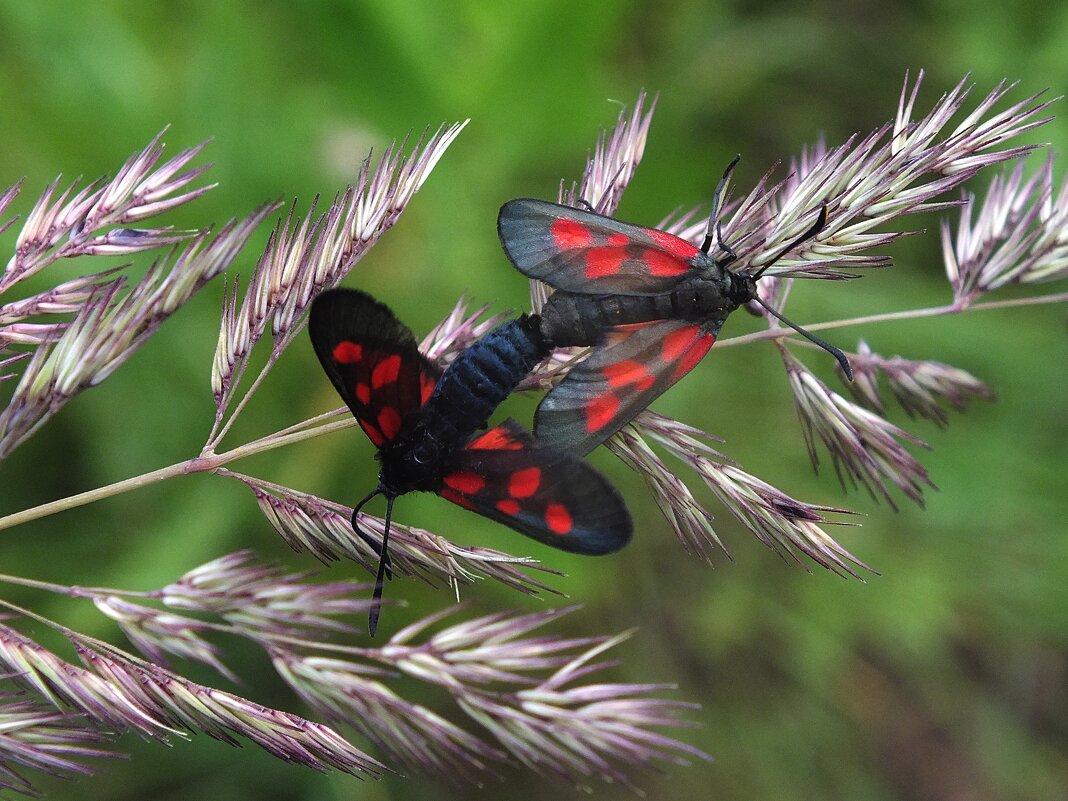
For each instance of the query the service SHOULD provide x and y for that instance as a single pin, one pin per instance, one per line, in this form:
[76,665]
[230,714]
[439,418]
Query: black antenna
[827,346]
[712,232]
[356,512]
[385,566]
[367,537]
[815,228]
[383,562]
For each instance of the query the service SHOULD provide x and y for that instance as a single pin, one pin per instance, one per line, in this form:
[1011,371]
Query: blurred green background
[942,678]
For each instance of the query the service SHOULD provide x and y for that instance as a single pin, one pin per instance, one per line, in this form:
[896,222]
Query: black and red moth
[429,428]
[650,302]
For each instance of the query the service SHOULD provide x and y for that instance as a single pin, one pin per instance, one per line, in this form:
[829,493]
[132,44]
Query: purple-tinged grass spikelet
[573,734]
[157,633]
[785,525]
[79,218]
[607,173]
[899,169]
[922,388]
[864,447]
[309,523]
[308,254]
[261,599]
[110,327]
[1019,236]
[192,707]
[615,158]
[66,686]
[458,329]
[37,738]
[119,692]
[353,694]
[690,521]
[6,198]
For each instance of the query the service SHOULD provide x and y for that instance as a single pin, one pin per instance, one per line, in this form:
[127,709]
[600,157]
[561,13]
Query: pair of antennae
[385,568]
[714,235]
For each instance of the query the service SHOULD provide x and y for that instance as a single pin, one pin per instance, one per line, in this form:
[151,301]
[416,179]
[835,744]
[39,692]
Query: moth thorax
[413,464]
[742,289]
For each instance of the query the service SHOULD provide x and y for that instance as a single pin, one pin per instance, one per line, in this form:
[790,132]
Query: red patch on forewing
[455,497]
[524,483]
[363,393]
[677,343]
[347,352]
[618,240]
[694,355]
[602,262]
[558,519]
[372,433]
[386,371]
[426,387]
[627,372]
[569,234]
[600,411]
[672,244]
[389,420]
[467,483]
[495,440]
[509,507]
[663,265]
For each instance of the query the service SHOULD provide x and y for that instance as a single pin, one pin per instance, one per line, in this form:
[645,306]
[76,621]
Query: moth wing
[550,496]
[633,366]
[372,360]
[579,251]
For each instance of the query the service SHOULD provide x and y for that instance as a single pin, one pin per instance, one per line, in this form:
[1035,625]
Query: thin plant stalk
[206,463]
[308,429]
[886,317]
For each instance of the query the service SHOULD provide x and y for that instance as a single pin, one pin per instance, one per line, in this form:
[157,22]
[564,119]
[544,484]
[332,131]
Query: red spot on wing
[372,433]
[618,240]
[627,372]
[569,234]
[509,507]
[467,483]
[600,411]
[558,519]
[663,265]
[347,352]
[672,244]
[690,359]
[426,387]
[678,342]
[496,439]
[524,483]
[386,371]
[363,393]
[602,262]
[455,497]
[389,420]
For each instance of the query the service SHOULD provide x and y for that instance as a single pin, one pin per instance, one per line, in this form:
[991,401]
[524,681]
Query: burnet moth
[428,427]
[651,304]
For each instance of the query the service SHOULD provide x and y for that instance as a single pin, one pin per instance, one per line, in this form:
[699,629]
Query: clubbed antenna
[713,233]
[827,346]
[385,569]
[814,229]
